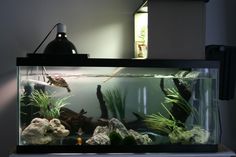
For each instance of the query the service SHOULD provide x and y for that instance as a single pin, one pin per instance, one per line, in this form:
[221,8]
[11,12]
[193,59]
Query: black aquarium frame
[83,60]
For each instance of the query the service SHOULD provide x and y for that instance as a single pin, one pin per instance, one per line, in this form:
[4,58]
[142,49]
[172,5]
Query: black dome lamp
[60,45]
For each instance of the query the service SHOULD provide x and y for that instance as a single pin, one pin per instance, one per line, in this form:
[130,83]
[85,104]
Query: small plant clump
[129,140]
[115,138]
[173,128]
[116,103]
[159,123]
[174,97]
[49,106]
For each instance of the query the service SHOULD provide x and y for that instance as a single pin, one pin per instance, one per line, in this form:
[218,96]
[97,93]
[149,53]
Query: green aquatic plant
[23,104]
[49,106]
[187,77]
[196,135]
[160,123]
[166,125]
[116,103]
[174,97]
[174,128]
[187,74]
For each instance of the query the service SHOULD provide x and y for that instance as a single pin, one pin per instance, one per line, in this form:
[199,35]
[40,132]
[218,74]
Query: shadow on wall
[220,23]
[230,13]
[228,118]
[7,91]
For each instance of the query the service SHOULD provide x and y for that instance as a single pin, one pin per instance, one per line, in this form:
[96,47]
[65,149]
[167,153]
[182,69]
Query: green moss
[115,138]
[129,140]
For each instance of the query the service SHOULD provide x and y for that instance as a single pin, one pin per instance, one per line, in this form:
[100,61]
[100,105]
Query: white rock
[41,131]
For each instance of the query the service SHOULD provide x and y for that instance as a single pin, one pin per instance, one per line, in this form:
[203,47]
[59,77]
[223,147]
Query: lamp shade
[60,45]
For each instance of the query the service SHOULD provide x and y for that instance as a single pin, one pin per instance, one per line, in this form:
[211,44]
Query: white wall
[221,30]
[176,29]
[102,28]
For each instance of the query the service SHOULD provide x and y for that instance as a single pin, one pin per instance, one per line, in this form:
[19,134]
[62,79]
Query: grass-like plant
[174,97]
[49,107]
[160,123]
[23,105]
[116,103]
[166,125]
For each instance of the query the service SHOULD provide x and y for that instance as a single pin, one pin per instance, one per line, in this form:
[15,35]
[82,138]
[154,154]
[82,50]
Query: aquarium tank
[71,103]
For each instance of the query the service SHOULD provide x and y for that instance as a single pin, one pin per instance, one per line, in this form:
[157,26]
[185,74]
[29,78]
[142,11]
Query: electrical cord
[45,38]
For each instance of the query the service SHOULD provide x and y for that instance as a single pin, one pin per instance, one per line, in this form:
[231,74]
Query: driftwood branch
[183,90]
[104,112]
[73,120]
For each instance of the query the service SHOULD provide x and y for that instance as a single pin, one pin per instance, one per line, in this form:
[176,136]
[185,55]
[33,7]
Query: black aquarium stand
[161,148]
[221,152]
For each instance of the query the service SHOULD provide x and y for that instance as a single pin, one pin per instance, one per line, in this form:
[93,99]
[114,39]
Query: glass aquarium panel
[88,105]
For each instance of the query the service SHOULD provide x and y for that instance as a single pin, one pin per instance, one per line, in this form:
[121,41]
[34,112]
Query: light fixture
[60,45]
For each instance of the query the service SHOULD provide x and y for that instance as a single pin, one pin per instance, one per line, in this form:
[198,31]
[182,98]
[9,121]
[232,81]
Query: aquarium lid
[53,56]
[83,60]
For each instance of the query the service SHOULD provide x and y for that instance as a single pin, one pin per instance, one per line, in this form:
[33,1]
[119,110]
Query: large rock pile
[42,131]
[101,134]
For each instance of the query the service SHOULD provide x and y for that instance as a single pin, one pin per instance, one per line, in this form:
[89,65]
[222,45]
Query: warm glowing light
[8,91]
